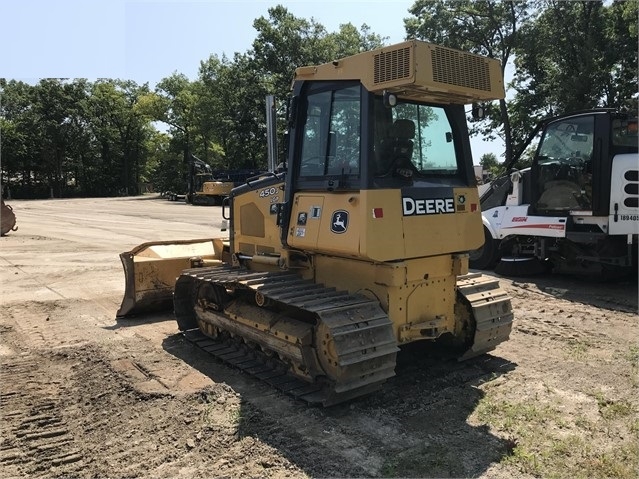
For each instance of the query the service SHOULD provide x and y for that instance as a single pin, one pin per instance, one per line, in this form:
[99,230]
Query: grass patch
[621,463]
[389,468]
[524,460]
[577,350]
[508,416]
[610,409]
[207,413]
[550,444]
[633,358]
[236,416]
[633,355]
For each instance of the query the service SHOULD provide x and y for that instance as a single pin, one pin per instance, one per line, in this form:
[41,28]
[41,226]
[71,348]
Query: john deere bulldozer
[358,245]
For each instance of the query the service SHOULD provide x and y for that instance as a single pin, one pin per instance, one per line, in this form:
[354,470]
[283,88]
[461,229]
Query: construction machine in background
[203,185]
[357,244]
[576,209]
[209,190]
[212,188]
[7,218]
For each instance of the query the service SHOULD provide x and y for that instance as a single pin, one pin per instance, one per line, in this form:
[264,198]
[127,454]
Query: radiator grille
[392,65]
[460,69]
[631,189]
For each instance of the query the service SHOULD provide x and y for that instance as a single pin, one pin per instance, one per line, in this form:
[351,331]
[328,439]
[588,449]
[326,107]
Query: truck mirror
[579,138]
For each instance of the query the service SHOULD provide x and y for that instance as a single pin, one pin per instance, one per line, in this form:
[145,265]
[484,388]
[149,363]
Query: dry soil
[84,394]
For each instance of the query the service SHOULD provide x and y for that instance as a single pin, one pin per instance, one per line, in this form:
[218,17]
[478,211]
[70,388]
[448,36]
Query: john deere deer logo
[339,221]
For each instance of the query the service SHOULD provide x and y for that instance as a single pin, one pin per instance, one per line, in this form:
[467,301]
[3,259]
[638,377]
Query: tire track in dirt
[36,440]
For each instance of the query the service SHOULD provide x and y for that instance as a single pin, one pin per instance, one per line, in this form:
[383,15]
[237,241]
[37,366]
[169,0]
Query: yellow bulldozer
[358,245]
[209,190]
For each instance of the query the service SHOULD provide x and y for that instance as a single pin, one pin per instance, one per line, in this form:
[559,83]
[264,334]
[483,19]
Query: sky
[147,40]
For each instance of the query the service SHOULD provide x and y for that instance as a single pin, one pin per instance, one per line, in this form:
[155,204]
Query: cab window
[564,173]
[413,136]
[331,134]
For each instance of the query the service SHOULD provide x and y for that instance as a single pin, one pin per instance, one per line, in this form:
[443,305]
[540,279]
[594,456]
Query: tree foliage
[68,138]
[578,55]
[567,56]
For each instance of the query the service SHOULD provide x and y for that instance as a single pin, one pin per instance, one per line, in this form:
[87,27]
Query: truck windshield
[564,173]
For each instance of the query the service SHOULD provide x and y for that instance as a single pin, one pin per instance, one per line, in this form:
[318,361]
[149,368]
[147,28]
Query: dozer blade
[150,271]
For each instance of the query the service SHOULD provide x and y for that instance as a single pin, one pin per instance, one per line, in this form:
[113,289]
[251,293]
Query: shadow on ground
[618,295]
[415,426]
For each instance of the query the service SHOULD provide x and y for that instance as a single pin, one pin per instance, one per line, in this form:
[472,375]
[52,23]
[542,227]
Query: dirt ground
[84,394]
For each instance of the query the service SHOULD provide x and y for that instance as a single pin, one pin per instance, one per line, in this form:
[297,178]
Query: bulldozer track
[360,331]
[492,311]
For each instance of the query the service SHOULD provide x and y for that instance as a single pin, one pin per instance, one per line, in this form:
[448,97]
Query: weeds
[577,350]
[389,468]
[545,438]
[610,409]
[524,460]
[236,416]
[208,399]
[633,355]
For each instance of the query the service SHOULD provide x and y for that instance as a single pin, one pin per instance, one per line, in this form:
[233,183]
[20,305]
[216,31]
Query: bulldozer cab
[406,143]
[379,154]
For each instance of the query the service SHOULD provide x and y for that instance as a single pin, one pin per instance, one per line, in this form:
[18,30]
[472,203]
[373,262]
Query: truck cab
[576,209]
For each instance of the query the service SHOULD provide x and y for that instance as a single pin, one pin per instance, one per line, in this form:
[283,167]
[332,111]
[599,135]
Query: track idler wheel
[327,352]
[189,292]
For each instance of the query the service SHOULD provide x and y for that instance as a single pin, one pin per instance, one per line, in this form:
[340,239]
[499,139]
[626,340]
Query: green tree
[235,93]
[72,137]
[574,56]
[285,42]
[120,129]
[232,93]
[489,161]
[620,88]
[59,108]
[174,102]
[164,168]
[491,165]
[18,126]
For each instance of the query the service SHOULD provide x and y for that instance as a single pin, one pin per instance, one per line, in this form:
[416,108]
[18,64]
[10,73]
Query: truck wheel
[486,256]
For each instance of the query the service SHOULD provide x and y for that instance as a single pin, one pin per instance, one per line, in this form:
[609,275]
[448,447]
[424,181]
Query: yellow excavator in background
[358,245]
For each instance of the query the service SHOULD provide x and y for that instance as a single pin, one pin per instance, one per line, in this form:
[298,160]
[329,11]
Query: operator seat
[397,149]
